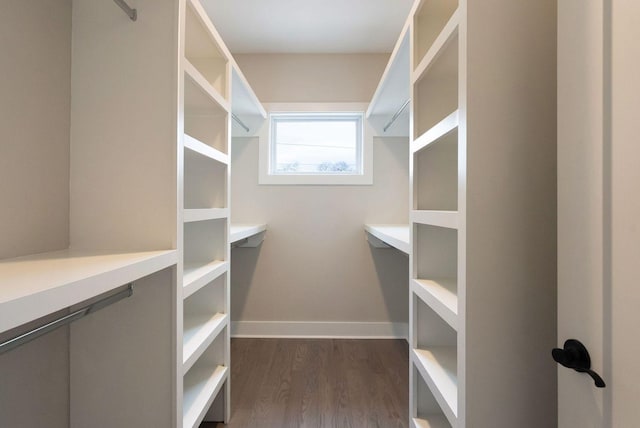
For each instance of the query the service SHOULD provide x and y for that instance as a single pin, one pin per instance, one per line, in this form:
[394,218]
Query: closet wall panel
[35,41]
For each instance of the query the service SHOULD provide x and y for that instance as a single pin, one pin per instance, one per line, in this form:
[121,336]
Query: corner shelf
[441,296]
[395,235]
[438,367]
[37,285]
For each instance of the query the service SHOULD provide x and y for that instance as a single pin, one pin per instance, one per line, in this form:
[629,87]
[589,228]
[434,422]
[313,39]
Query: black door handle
[575,356]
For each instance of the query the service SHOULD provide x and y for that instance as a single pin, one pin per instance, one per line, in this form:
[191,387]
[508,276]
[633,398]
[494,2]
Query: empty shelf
[435,133]
[35,286]
[199,333]
[198,146]
[201,385]
[200,95]
[440,295]
[245,231]
[438,368]
[201,214]
[448,219]
[196,276]
[435,421]
[396,235]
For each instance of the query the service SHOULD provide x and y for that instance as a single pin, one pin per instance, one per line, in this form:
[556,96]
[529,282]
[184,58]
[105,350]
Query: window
[316,143]
[320,144]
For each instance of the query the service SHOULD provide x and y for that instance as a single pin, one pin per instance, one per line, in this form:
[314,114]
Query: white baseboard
[320,330]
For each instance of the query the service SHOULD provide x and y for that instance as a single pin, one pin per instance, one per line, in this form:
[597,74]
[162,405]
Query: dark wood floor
[279,383]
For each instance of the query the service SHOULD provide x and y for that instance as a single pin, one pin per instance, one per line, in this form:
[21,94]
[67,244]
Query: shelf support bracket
[131,13]
[64,320]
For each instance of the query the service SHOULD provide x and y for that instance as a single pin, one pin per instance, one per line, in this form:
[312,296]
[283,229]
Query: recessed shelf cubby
[428,22]
[205,182]
[204,52]
[204,242]
[435,251]
[436,175]
[435,93]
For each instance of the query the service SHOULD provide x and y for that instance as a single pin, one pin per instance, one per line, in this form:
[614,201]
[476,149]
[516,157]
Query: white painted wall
[35,41]
[315,264]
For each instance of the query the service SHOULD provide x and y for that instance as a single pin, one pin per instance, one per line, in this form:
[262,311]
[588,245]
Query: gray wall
[315,264]
[35,41]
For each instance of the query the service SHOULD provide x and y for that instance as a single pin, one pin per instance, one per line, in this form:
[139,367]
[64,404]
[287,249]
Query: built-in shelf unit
[206,67]
[468,168]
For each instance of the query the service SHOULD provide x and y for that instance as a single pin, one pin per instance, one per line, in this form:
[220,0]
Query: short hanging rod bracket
[64,320]
[239,122]
[395,116]
[132,13]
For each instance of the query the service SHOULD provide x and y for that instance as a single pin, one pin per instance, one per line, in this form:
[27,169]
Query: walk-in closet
[278,213]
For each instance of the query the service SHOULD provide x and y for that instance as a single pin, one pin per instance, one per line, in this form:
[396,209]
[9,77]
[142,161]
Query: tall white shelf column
[203,143]
[482,214]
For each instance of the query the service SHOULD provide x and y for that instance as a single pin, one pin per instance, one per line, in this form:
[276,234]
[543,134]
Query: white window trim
[364,179]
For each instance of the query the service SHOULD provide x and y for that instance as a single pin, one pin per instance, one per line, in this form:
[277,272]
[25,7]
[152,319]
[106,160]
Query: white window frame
[266,156]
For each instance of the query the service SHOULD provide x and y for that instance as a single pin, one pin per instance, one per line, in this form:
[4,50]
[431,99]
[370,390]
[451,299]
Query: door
[599,208]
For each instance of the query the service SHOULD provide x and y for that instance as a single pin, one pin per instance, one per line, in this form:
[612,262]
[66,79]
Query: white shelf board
[196,276]
[437,366]
[396,235]
[440,295]
[245,105]
[37,285]
[439,130]
[448,219]
[243,231]
[199,332]
[393,91]
[201,385]
[199,94]
[432,421]
[206,150]
[201,214]
[439,44]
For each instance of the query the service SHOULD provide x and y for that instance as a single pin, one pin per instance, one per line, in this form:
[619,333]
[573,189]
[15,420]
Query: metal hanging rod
[395,116]
[239,122]
[132,13]
[64,320]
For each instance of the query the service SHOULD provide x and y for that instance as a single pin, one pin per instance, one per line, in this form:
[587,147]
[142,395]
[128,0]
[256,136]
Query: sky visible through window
[320,146]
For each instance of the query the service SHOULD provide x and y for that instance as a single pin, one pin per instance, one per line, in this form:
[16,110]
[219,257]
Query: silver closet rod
[67,319]
[398,113]
[239,122]
[133,13]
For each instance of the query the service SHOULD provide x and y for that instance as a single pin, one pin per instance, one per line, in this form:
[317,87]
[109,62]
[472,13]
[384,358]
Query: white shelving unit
[249,114]
[206,67]
[472,145]
[385,235]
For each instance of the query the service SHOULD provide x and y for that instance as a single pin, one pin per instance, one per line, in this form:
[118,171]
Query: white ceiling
[309,26]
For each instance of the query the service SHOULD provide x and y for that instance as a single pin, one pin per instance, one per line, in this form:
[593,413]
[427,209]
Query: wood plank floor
[281,383]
